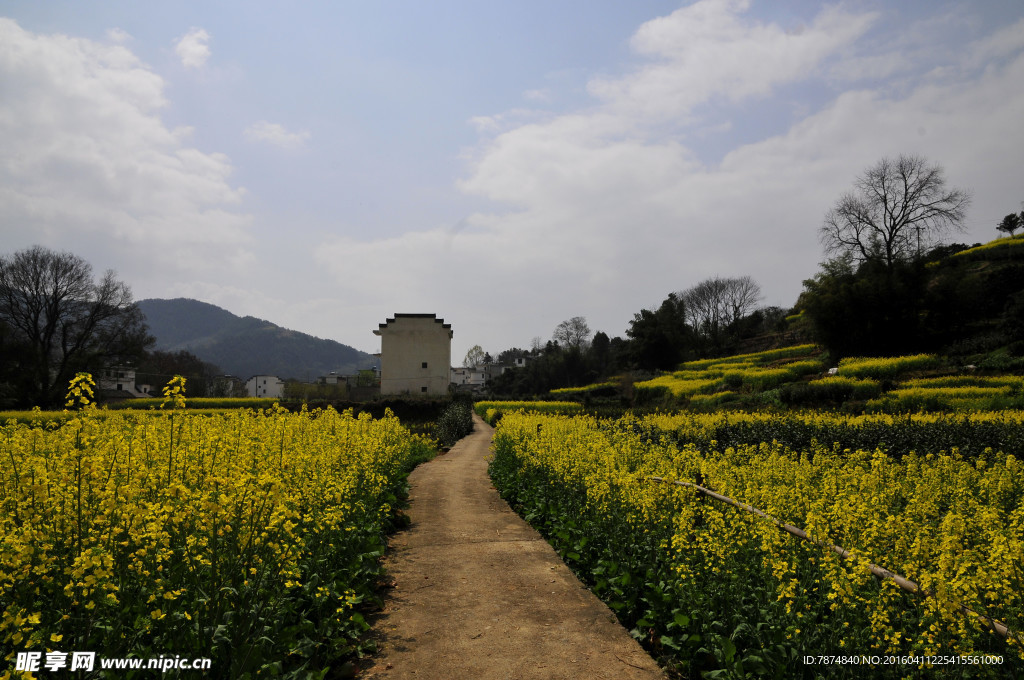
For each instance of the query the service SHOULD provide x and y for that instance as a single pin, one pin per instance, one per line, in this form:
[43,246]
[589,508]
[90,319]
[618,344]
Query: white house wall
[415,355]
[265,386]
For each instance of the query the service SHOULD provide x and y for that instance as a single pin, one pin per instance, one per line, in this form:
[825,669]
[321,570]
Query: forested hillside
[245,346]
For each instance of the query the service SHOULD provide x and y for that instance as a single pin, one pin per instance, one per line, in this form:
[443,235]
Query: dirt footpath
[479,594]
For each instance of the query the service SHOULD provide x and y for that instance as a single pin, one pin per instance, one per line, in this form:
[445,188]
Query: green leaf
[728,650]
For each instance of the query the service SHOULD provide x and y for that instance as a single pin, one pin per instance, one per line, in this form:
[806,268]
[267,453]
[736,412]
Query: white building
[121,379]
[415,355]
[475,376]
[265,386]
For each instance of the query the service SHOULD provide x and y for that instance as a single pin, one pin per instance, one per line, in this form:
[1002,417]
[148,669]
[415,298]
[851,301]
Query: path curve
[479,594]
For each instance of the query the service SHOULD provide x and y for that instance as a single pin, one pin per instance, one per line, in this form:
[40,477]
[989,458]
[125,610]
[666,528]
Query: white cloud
[706,51]
[1005,42]
[88,164]
[490,125]
[875,66]
[276,134]
[192,48]
[118,36]
[609,209]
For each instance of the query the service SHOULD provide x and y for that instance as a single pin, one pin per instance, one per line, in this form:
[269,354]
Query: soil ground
[478,594]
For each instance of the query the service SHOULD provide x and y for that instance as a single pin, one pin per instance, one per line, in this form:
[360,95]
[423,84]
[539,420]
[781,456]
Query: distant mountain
[247,346]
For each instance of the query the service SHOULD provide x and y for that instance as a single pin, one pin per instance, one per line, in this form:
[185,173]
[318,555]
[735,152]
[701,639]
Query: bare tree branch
[573,332]
[899,209]
[714,304]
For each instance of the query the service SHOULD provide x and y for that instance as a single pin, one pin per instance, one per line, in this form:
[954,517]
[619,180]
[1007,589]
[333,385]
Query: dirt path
[479,594]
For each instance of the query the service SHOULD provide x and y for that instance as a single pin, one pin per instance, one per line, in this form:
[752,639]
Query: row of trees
[874,294]
[709,319]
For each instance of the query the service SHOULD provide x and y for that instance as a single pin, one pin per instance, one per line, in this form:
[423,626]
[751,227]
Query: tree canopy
[1011,223]
[661,338]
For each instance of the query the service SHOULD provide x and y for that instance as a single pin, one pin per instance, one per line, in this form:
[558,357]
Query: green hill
[977,299]
[246,346]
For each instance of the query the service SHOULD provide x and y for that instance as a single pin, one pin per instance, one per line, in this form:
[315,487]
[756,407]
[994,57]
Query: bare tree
[741,296]
[703,305]
[897,211]
[573,332]
[474,357]
[64,319]
[716,303]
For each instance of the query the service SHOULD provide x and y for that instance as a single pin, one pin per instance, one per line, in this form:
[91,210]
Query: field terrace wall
[415,355]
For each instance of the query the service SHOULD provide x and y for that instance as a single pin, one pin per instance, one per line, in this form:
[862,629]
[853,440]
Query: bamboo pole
[906,584]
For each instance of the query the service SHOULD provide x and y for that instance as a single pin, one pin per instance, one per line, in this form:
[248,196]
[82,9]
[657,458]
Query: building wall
[268,386]
[122,379]
[415,355]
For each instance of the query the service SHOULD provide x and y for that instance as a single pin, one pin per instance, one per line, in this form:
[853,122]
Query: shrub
[455,422]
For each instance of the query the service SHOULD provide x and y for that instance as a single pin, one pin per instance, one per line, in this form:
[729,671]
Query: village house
[415,355]
[265,386]
[228,386]
[118,382]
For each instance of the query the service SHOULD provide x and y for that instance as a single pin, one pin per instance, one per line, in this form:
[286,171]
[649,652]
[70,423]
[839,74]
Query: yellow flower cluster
[885,367]
[752,359]
[689,426]
[954,526]
[678,384]
[953,393]
[1013,381]
[1009,245]
[966,398]
[582,390]
[757,371]
[174,393]
[490,410]
[119,532]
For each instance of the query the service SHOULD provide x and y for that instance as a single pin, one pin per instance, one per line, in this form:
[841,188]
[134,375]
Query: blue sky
[506,166]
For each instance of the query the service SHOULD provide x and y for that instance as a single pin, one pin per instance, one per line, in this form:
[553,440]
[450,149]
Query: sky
[506,166]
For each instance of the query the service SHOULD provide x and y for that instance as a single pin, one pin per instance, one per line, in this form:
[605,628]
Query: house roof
[444,325]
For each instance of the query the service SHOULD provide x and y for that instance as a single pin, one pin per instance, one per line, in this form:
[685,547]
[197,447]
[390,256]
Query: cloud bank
[714,149]
[610,207]
[88,165]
